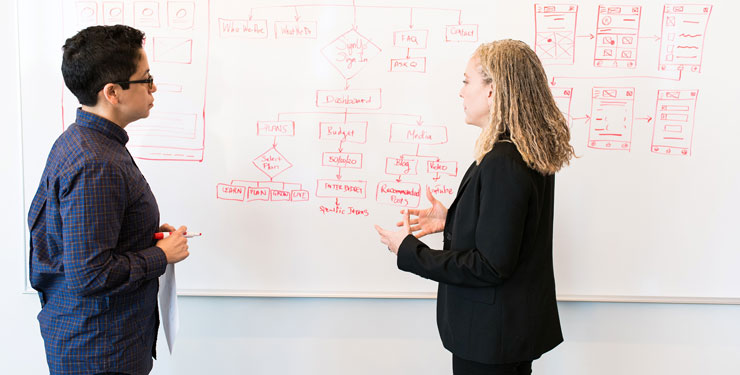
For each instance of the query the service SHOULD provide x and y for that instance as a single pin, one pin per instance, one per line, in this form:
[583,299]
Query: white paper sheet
[168,305]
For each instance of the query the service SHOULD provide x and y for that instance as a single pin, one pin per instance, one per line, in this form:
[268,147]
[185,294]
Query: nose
[154,88]
[460,93]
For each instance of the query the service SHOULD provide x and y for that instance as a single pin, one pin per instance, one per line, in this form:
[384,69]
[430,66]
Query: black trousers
[464,367]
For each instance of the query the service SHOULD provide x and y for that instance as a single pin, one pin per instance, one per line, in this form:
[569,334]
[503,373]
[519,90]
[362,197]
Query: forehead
[473,67]
[143,64]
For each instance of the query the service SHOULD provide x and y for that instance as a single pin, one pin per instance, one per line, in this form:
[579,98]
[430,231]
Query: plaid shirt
[92,256]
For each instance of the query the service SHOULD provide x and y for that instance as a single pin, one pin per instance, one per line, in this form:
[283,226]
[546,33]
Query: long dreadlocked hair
[523,110]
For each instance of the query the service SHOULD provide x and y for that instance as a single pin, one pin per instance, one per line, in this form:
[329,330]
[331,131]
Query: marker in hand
[163,235]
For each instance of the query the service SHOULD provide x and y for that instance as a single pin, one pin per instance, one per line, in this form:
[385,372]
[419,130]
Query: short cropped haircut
[99,55]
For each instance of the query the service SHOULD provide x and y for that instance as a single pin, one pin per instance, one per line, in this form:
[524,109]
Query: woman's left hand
[393,239]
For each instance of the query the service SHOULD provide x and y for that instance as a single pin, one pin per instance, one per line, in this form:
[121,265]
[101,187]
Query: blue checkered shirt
[92,255]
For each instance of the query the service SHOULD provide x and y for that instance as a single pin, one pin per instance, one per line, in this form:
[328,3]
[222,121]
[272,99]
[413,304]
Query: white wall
[349,336]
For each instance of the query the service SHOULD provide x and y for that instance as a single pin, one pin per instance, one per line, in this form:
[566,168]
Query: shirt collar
[108,128]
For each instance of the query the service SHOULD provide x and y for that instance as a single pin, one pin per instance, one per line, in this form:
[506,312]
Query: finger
[380,230]
[430,197]
[406,221]
[182,229]
[411,222]
[413,211]
[167,228]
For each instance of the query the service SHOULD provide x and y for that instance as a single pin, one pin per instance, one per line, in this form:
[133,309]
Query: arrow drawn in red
[587,118]
[653,37]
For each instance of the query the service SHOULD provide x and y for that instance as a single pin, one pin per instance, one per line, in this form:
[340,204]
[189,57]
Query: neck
[105,113]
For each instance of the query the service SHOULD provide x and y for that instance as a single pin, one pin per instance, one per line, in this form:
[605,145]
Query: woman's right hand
[427,221]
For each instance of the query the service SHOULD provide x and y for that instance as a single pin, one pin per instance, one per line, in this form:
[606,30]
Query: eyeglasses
[149,81]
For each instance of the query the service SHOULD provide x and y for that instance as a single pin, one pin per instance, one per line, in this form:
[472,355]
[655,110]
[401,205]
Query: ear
[491,90]
[110,93]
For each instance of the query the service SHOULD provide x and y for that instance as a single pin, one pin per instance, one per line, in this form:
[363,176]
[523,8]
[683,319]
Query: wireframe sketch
[674,122]
[555,33]
[683,32]
[617,31]
[611,118]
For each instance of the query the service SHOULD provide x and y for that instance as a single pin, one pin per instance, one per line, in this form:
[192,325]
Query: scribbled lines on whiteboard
[612,116]
[350,53]
[682,36]
[271,163]
[674,122]
[411,40]
[617,33]
[166,134]
[555,33]
[242,28]
[181,14]
[408,194]
[563,98]
[113,12]
[87,13]
[239,190]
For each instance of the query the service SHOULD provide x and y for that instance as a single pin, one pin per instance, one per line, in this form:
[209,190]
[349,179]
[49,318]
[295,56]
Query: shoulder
[82,150]
[504,164]
[503,155]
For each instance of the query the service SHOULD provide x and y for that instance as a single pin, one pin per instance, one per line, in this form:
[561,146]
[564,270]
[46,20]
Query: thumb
[430,197]
[182,229]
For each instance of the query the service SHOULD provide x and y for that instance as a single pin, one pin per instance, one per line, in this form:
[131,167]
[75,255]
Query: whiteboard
[284,130]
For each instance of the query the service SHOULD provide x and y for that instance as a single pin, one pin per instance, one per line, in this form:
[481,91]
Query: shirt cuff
[156,262]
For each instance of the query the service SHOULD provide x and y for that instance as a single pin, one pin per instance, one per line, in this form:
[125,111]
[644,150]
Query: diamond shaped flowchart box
[272,163]
[350,53]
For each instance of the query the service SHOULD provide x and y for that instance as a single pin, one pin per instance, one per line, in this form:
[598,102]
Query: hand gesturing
[427,221]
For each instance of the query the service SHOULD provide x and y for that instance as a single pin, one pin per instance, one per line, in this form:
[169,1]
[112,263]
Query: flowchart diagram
[616,46]
[347,114]
[614,43]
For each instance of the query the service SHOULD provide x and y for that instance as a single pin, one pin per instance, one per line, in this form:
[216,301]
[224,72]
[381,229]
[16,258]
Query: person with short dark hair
[93,259]
[496,306]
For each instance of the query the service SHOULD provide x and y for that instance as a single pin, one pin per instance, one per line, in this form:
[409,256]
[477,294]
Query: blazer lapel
[463,184]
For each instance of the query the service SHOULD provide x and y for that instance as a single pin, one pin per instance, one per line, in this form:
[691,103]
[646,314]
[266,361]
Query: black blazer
[496,298]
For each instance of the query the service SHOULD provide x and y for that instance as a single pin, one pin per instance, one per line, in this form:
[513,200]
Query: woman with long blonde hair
[496,307]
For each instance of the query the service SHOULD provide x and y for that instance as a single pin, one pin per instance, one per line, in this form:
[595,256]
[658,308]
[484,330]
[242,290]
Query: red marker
[163,235]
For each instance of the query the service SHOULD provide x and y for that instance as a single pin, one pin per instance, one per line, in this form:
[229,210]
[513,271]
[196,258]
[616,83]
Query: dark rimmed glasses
[149,81]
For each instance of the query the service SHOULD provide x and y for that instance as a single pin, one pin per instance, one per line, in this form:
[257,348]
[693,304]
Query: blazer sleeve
[503,199]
